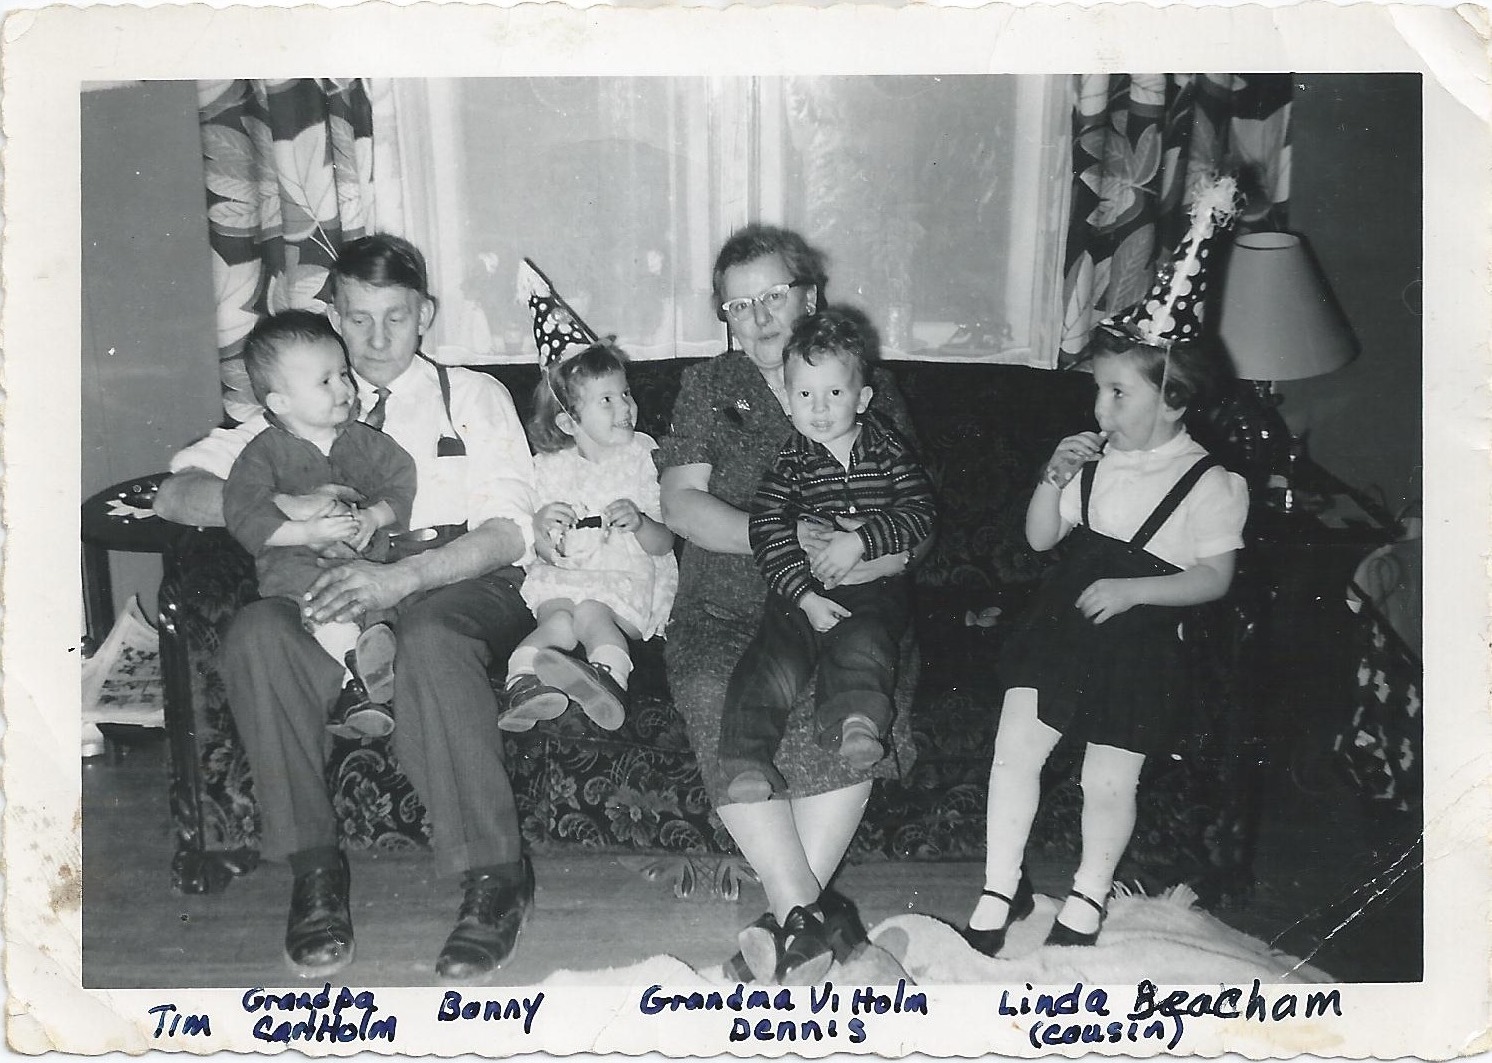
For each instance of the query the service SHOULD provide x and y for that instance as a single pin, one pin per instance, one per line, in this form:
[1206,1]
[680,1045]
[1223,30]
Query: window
[940,201]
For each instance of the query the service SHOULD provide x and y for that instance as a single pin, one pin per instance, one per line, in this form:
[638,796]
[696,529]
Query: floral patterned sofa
[984,431]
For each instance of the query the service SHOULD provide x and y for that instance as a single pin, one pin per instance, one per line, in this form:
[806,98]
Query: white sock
[1109,779]
[1022,745]
[617,661]
[522,661]
[338,638]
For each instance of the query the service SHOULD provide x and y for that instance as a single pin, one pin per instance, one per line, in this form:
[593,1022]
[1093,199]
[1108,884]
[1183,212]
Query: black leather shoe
[492,913]
[842,925]
[806,954]
[1062,934]
[990,942]
[318,934]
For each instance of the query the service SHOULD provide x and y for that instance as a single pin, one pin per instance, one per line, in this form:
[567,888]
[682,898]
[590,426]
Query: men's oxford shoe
[492,913]
[318,934]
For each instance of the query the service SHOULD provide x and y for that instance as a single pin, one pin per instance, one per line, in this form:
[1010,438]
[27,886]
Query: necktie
[379,411]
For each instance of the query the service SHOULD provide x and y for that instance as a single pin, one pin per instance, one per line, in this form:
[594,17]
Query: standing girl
[605,570]
[1154,524]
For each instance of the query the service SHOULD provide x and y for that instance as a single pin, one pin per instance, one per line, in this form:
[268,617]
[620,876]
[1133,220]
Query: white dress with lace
[605,564]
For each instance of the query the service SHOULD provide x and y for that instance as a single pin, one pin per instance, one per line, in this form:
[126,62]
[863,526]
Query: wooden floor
[1317,854]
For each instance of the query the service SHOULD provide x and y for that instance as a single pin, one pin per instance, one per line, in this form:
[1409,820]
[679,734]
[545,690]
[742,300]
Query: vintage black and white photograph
[467,465]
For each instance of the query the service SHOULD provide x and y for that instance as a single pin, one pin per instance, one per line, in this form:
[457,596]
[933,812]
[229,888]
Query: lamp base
[1248,435]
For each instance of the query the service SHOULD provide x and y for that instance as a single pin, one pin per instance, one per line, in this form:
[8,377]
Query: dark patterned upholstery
[984,431]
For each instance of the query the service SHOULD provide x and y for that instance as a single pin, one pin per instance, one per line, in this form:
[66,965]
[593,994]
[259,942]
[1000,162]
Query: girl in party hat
[605,570]
[1152,523]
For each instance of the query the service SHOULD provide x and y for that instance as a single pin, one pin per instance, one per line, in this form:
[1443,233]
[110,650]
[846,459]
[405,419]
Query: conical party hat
[559,331]
[1172,310]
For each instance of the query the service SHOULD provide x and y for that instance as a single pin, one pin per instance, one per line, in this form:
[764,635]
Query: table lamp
[1278,321]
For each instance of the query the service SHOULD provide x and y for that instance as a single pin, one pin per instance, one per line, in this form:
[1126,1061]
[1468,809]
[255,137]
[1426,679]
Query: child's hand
[834,562]
[623,514]
[323,531]
[367,524]
[814,534]
[551,523]
[823,613]
[325,501]
[1071,455]
[1107,598]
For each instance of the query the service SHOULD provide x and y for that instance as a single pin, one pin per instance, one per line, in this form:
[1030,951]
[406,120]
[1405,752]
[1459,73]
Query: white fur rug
[1166,939]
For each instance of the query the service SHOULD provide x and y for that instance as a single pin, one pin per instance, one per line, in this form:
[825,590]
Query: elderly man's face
[381,326]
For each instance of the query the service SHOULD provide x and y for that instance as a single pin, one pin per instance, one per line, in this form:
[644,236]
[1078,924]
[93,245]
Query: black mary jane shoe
[762,943]
[806,954]
[492,913]
[842,925]
[318,933]
[990,942]
[1062,934]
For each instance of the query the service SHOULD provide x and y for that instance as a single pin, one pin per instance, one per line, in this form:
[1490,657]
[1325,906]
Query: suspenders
[1167,506]
[449,446]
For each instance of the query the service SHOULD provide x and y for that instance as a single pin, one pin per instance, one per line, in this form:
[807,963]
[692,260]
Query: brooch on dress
[736,413]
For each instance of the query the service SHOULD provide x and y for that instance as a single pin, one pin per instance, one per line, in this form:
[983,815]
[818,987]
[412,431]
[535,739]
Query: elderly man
[453,588]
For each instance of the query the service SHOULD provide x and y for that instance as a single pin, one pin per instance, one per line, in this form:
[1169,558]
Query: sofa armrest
[206,579]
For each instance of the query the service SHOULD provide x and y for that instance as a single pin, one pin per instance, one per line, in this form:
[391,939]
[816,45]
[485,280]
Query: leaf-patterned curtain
[289,172]
[1139,143]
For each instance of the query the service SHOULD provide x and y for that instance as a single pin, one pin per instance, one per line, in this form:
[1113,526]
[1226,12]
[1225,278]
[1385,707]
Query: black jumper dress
[1124,682]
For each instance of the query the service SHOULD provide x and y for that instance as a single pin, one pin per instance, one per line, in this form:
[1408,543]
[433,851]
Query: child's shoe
[860,743]
[374,663]
[588,685]
[530,701]
[355,715]
[1062,934]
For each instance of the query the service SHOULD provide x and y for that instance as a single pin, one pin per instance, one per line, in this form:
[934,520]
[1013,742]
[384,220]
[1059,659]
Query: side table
[1299,565]
[118,518]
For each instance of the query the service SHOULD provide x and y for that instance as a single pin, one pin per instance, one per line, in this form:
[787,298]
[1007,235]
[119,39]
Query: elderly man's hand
[349,589]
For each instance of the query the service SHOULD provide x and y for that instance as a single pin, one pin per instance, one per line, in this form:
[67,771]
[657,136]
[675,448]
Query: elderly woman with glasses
[729,422]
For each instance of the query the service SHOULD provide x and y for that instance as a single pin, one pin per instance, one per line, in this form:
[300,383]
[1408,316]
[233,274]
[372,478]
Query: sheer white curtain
[939,200]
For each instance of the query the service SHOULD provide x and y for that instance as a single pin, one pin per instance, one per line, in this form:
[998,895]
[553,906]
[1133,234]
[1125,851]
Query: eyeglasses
[771,300]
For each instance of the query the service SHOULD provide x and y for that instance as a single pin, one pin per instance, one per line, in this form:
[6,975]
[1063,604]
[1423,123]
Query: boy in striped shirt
[854,477]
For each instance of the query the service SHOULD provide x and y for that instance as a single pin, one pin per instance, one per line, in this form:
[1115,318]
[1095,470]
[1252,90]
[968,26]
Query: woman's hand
[833,564]
[624,515]
[813,535]
[1107,598]
[1071,455]
[551,523]
[823,613]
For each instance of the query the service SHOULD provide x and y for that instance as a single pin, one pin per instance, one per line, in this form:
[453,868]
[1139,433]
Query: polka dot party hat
[1172,310]
[558,331]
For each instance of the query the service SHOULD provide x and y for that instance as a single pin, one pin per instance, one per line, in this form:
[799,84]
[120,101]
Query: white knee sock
[617,661]
[1109,780]
[1022,745]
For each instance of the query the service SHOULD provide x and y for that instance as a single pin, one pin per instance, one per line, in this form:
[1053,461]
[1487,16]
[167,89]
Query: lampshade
[1278,319]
